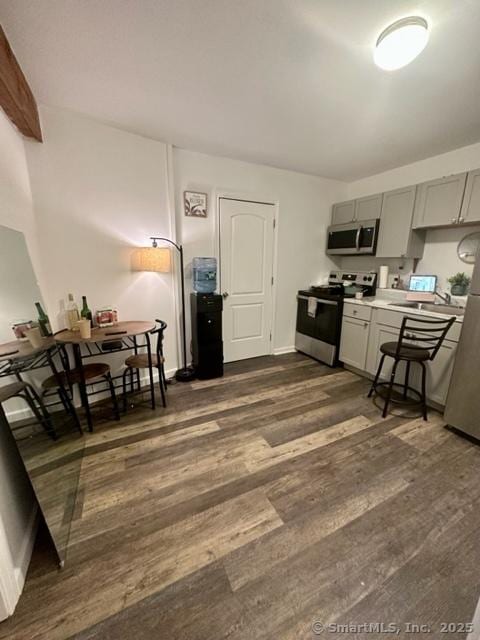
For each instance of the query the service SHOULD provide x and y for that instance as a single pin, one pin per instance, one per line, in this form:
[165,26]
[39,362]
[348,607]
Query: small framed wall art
[195,204]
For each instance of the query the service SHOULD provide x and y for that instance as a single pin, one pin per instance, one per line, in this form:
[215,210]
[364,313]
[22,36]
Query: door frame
[256,199]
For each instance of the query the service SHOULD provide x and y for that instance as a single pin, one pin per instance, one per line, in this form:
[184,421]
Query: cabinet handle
[355,312]
[365,325]
[454,220]
[461,219]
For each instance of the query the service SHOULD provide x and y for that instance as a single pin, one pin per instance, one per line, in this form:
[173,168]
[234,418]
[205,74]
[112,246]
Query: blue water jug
[204,274]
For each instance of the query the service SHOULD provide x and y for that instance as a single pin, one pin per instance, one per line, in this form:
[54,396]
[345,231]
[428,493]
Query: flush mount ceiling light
[400,43]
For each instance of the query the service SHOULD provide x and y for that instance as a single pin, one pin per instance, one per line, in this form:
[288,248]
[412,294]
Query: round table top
[23,349]
[105,334]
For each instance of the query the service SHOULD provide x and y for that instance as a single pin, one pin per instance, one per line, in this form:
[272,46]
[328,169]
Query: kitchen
[368,234]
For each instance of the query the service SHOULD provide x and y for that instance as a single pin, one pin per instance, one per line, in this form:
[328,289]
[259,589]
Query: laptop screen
[423,284]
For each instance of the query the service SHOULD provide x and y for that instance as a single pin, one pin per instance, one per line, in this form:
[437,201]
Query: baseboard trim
[280,351]
[27,549]
[14,571]
[25,413]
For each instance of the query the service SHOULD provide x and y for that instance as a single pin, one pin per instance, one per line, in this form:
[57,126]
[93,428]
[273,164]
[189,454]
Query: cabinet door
[378,335]
[343,212]
[439,372]
[438,201]
[471,200]
[368,208]
[354,342]
[396,223]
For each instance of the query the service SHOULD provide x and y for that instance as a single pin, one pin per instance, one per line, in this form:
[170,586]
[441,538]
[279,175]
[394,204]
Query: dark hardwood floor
[257,504]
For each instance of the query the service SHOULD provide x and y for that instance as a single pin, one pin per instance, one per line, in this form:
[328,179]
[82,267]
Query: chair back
[427,333]
[159,331]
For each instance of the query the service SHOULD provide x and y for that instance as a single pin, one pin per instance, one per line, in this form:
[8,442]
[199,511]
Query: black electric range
[319,313]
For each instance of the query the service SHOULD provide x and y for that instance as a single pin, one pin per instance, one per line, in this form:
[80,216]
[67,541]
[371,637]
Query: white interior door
[246,266]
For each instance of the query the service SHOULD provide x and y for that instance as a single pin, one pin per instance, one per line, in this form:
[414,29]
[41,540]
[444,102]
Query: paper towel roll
[383,277]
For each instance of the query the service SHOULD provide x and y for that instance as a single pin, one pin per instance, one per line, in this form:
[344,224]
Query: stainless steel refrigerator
[463,401]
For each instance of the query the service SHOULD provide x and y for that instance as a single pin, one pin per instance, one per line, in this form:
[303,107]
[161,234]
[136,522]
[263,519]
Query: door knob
[225,294]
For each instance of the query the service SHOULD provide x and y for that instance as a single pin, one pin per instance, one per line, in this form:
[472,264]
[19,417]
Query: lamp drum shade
[156,259]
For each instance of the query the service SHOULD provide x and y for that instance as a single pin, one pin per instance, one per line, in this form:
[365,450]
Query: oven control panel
[359,278]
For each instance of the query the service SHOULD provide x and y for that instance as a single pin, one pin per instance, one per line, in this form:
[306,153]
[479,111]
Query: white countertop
[386,300]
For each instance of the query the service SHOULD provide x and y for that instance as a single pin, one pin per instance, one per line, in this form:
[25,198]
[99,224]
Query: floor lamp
[155,259]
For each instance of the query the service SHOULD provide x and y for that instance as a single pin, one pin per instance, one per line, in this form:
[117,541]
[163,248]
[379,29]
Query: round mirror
[468,247]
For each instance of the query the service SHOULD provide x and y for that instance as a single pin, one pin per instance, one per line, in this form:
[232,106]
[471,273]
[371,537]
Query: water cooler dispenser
[207,344]
[206,308]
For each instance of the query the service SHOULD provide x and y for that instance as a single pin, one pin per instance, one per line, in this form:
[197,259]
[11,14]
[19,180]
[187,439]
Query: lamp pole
[185,374]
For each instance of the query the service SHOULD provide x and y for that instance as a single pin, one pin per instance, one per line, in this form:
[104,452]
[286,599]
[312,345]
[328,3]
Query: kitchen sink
[447,309]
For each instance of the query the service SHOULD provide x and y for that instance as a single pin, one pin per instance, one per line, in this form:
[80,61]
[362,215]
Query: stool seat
[406,352]
[11,390]
[90,371]
[140,361]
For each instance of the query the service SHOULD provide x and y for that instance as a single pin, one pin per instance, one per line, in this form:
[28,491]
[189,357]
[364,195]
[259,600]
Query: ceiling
[288,83]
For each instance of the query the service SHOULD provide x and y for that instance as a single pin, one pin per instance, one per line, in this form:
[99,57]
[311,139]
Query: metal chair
[63,381]
[138,361]
[428,334]
[27,392]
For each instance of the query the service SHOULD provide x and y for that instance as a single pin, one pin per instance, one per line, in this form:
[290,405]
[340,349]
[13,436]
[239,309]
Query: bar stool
[428,335]
[27,392]
[139,361]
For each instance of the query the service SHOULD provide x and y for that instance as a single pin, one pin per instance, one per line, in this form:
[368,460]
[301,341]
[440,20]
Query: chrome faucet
[446,297]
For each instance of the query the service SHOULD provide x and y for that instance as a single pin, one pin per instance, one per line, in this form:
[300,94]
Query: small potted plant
[459,284]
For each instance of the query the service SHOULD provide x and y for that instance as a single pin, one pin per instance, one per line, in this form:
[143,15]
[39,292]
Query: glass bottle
[85,312]
[43,321]
[72,313]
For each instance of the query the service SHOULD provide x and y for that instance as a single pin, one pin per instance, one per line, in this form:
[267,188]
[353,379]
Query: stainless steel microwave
[354,238]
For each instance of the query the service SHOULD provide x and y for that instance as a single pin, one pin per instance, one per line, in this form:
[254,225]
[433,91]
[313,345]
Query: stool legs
[389,389]
[407,377]
[424,391]
[124,384]
[377,376]
[116,413]
[33,399]
[161,385]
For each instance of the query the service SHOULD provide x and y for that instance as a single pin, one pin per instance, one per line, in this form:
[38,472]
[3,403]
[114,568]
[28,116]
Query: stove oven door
[318,336]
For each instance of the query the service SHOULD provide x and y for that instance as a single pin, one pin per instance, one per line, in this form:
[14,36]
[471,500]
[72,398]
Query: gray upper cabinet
[396,238]
[471,200]
[343,212]
[439,201]
[368,208]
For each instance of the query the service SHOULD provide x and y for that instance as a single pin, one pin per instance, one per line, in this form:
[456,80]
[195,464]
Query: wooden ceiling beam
[16,97]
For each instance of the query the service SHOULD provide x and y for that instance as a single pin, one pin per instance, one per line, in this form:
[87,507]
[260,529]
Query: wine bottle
[85,312]
[43,321]
[72,313]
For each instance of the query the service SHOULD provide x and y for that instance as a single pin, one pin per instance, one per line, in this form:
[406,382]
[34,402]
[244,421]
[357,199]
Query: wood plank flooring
[257,504]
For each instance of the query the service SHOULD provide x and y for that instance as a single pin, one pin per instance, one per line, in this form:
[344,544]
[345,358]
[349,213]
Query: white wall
[440,255]
[304,213]
[17,503]
[99,192]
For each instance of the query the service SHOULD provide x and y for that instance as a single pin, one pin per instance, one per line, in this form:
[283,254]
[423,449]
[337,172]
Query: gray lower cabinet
[369,207]
[343,212]
[438,202]
[471,200]
[396,237]
[354,342]
[385,327]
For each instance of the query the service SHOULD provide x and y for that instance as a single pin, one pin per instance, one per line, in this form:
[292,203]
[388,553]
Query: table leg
[63,393]
[77,353]
[150,369]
